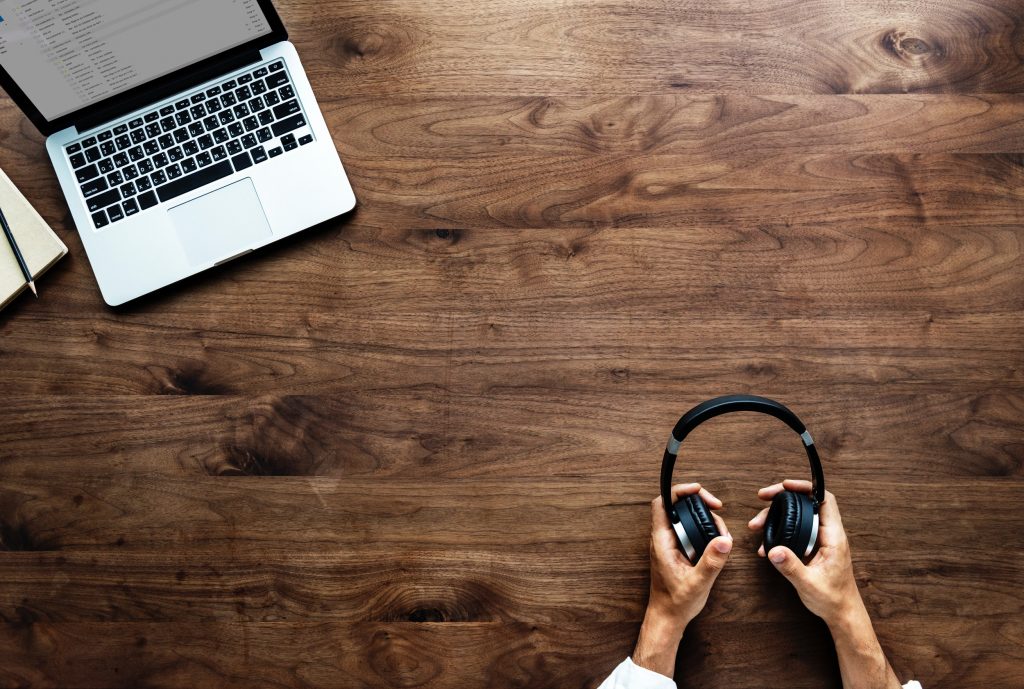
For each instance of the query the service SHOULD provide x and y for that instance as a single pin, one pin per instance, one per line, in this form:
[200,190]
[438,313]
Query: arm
[679,590]
[827,587]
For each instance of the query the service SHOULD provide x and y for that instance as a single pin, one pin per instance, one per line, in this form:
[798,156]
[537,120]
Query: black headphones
[793,517]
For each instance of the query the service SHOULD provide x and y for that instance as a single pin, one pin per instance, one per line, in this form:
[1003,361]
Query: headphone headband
[726,405]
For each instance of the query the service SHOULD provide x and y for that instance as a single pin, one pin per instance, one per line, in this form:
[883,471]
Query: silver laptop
[184,133]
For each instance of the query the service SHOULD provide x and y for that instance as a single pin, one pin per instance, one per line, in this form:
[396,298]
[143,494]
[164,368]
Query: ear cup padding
[790,522]
[695,518]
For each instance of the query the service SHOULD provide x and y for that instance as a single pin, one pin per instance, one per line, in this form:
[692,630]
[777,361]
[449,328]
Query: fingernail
[777,556]
[723,545]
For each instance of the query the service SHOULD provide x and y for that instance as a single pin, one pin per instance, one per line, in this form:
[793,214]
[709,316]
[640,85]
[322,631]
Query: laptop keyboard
[200,138]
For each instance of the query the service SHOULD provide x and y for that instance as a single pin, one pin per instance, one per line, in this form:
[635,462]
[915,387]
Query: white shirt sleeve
[630,676]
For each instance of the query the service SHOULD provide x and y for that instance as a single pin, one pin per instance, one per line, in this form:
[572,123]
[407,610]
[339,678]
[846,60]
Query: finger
[796,485]
[832,531]
[720,523]
[683,489]
[712,562]
[760,551]
[757,523]
[659,519]
[789,565]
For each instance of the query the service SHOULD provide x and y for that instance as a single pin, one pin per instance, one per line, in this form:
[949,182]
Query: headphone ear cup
[791,522]
[697,525]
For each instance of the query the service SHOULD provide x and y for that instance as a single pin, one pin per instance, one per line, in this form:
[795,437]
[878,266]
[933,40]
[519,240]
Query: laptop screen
[69,54]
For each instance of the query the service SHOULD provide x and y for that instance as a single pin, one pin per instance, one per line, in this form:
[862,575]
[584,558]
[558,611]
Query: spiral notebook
[39,245]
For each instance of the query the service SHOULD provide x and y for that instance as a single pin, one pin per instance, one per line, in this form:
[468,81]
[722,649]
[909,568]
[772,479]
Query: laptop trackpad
[221,224]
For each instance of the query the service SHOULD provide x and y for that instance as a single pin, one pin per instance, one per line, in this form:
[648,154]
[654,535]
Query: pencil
[17,253]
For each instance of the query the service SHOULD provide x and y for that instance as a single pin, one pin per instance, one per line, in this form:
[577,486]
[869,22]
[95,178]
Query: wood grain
[416,447]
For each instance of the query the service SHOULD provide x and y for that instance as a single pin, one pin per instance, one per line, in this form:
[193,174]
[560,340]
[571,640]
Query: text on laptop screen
[68,54]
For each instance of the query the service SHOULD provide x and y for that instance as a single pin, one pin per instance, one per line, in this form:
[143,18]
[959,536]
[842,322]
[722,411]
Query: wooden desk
[416,447]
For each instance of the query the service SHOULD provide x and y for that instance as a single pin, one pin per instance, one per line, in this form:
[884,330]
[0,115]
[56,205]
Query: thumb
[789,564]
[714,558]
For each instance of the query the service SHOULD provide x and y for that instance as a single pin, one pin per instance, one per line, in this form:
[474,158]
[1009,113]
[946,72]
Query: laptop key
[101,201]
[99,219]
[152,116]
[277,67]
[128,190]
[153,129]
[285,109]
[147,200]
[106,165]
[158,177]
[245,79]
[74,148]
[143,183]
[174,171]
[105,136]
[181,104]
[234,147]
[218,153]
[77,160]
[264,135]
[136,123]
[259,154]
[261,72]
[276,151]
[250,123]
[266,117]
[166,110]
[287,92]
[120,129]
[161,160]
[115,213]
[249,140]
[289,125]
[199,97]
[92,154]
[276,80]
[138,136]
[204,159]
[189,165]
[121,159]
[91,141]
[136,154]
[93,187]
[194,181]
[307,139]
[87,173]
[123,142]
[214,91]
[190,148]
[108,148]
[151,147]
[131,207]
[115,178]
[241,161]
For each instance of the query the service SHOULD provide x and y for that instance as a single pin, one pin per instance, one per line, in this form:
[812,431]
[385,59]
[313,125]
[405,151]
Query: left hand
[679,589]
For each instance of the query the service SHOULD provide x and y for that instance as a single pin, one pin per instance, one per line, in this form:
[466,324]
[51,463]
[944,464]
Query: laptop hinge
[192,78]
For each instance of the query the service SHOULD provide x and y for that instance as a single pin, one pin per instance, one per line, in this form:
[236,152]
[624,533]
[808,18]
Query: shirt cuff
[629,675]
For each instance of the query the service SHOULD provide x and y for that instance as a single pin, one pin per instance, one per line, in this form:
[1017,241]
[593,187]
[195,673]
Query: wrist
[658,643]
[850,621]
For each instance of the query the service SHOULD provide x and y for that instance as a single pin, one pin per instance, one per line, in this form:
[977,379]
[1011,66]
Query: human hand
[679,589]
[826,584]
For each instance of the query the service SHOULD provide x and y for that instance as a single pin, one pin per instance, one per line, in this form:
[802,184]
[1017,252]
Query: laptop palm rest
[220,224]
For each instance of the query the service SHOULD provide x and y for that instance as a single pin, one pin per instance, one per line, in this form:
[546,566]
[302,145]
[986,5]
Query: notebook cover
[38,243]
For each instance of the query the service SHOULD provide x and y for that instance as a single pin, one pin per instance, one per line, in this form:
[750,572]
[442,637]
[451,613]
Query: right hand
[826,584]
